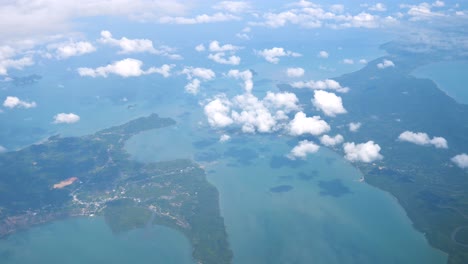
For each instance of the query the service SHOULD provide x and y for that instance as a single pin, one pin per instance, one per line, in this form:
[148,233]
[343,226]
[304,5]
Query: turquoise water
[450,76]
[89,240]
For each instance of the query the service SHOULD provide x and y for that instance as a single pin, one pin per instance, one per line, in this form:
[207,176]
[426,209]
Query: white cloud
[323,54]
[272,55]
[128,46]
[364,152]
[217,112]
[363,61]
[202,73]
[125,68]
[378,7]
[302,149]
[220,58]
[348,61]
[301,124]
[438,4]
[200,19]
[70,49]
[215,46]
[461,160]
[233,6]
[64,118]
[200,48]
[337,8]
[286,101]
[331,141]
[193,86]
[295,72]
[19,64]
[224,138]
[385,64]
[420,138]
[329,103]
[321,85]
[12,102]
[354,126]
[254,115]
[246,76]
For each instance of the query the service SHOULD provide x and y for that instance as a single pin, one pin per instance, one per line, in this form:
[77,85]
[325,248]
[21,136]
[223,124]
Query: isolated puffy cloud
[364,152]
[128,46]
[438,3]
[329,103]
[200,19]
[301,124]
[302,149]
[331,141]
[246,76]
[233,6]
[224,138]
[196,72]
[200,48]
[220,58]
[15,102]
[215,46]
[70,49]
[461,160]
[64,118]
[295,72]
[363,61]
[125,68]
[321,85]
[354,126]
[420,138]
[385,64]
[323,54]
[379,7]
[285,101]
[193,86]
[272,55]
[218,112]
[348,61]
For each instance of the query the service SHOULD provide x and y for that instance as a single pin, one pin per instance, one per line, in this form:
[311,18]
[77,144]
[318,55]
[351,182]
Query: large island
[94,176]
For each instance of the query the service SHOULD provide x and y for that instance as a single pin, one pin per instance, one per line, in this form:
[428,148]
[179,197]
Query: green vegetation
[388,102]
[129,194]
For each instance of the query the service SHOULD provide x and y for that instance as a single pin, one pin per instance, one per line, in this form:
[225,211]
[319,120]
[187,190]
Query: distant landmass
[94,175]
[389,101]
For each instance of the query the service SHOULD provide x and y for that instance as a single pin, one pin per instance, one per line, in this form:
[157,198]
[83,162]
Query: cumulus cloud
[128,46]
[302,149]
[200,48]
[273,55]
[354,126]
[233,6]
[323,54]
[348,61]
[286,101]
[64,118]
[7,62]
[385,64]
[215,46]
[301,124]
[379,7]
[224,138]
[364,152]
[295,72]
[125,68]
[321,85]
[331,141]
[363,61]
[246,76]
[420,138]
[15,102]
[221,59]
[200,19]
[194,75]
[70,49]
[329,103]
[254,115]
[218,112]
[461,160]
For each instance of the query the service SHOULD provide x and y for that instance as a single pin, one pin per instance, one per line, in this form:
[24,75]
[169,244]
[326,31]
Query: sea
[275,210]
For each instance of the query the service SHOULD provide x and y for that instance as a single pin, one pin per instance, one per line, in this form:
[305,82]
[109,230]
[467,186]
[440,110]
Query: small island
[94,175]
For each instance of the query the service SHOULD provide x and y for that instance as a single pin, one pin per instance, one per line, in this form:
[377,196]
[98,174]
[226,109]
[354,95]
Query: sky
[167,38]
